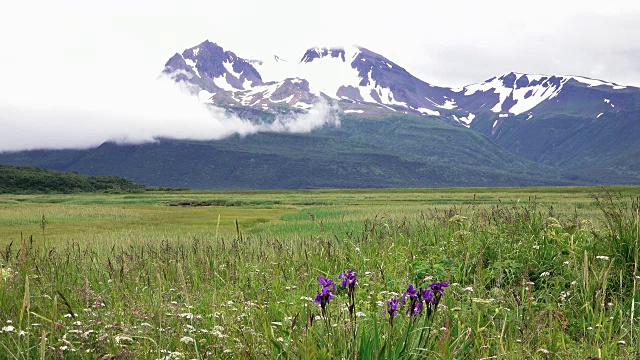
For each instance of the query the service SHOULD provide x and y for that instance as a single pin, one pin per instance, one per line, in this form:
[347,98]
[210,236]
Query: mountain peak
[318,53]
[343,53]
[365,82]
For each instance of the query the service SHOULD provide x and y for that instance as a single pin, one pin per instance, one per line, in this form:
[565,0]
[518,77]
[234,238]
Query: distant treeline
[28,180]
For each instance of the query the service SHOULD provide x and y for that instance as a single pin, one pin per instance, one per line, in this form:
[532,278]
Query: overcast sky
[82,57]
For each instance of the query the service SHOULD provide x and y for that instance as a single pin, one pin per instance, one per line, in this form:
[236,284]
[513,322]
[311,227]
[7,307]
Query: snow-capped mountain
[511,130]
[367,83]
[516,93]
[361,80]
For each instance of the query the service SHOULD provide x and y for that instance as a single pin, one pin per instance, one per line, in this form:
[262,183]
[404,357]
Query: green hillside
[399,151]
[23,179]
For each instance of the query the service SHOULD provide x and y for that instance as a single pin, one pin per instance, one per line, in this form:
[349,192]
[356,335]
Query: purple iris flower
[438,290]
[427,295]
[417,308]
[349,278]
[323,298]
[392,309]
[438,287]
[414,300]
[412,292]
[326,282]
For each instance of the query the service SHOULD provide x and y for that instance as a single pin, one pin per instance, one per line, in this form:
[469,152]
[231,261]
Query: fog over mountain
[136,113]
[69,67]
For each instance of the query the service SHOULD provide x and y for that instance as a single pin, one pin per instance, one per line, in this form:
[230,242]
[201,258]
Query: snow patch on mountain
[523,91]
[466,120]
[192,64]
[608,101]
[594,82]
[428,111]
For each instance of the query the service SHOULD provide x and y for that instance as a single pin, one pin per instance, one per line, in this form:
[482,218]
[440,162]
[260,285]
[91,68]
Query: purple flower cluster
[325,295]
[392,309]
[417,300]
[349,279]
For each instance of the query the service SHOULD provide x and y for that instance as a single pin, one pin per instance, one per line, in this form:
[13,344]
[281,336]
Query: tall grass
[528,280]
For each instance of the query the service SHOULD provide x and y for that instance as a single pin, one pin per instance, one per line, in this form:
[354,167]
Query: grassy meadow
[532,273]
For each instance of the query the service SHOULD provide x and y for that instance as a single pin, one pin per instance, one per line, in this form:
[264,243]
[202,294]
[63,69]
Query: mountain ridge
[396,130]
[368,83]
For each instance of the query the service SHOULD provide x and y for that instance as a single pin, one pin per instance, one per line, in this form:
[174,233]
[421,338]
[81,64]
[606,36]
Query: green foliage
[29,180]
[530,277]
[397,151]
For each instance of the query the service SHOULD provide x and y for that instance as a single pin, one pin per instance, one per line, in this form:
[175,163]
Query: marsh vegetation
[530,273]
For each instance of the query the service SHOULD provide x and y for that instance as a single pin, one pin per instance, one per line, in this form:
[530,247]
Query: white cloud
[135,113]
[77,72]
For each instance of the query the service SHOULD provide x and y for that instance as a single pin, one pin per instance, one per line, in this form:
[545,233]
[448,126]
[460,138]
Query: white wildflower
[186,340]
[186,315]
[544,274]
[602,257]
[8,328]
[361,314]
[122,338]
[468,288]
[276,323]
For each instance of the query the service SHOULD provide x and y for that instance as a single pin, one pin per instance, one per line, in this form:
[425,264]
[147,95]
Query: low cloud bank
[132,114]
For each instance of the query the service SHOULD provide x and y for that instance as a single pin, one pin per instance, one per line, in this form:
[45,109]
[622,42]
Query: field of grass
[532,273]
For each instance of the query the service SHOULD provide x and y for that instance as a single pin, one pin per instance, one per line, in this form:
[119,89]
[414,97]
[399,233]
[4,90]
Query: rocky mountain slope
[396,130]
[367,83]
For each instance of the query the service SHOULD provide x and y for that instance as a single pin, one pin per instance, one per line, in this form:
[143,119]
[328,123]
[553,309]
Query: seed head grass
[449,273]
